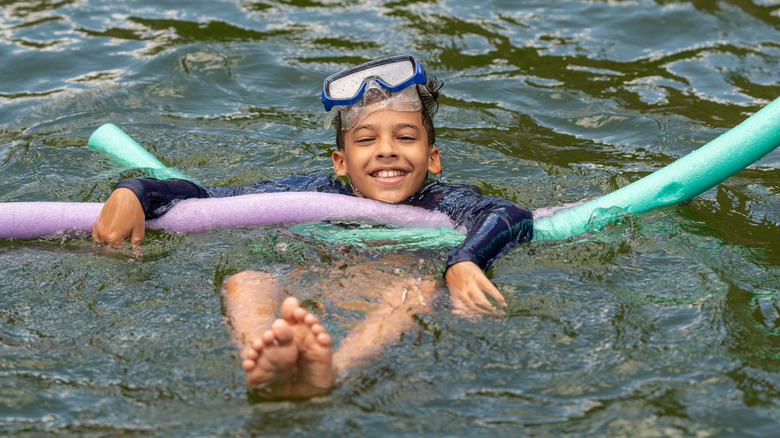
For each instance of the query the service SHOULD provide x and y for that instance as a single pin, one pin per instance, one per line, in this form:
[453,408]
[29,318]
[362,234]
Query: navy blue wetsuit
[493,224]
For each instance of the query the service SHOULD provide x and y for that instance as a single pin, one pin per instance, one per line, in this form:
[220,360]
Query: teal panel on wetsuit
[382,237]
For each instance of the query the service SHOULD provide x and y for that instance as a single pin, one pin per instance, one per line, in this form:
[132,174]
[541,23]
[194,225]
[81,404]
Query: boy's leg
[251,301]
[383,326]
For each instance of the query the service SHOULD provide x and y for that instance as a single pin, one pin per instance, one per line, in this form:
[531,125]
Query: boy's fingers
[468,288]
[485,306]
[137,236]
[497,296]
[468,310]
[464,304]
[459,305]
[138,233]
[137,250]
[482,302]
[96,234]
[492,290]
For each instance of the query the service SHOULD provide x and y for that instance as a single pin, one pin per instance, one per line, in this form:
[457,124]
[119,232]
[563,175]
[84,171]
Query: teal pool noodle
[123,150]
[680,181]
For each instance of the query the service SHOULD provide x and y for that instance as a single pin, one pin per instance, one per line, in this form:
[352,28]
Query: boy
[382,115]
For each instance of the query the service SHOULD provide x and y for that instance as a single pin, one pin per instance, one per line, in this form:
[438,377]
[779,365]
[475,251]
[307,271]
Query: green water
[665,324]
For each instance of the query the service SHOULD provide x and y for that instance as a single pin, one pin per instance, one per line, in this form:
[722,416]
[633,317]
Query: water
[665,324]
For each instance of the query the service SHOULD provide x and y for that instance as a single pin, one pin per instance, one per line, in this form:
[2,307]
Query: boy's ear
[338,163]
[434,161]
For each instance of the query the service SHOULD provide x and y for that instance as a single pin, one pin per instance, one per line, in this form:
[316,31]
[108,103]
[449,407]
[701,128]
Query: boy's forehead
[406,100]
[386,117]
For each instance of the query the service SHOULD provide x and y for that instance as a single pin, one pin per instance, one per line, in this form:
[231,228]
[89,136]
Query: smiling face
[387,156]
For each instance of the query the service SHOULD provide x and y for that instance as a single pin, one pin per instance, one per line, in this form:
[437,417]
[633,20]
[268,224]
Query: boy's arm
[494,226]
[120,218]
[157,196]
[133,201]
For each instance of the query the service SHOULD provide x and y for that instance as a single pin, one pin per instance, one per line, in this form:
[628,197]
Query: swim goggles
[394,74]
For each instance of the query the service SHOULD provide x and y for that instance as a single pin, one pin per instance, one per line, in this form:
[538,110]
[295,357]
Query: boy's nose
[386,148]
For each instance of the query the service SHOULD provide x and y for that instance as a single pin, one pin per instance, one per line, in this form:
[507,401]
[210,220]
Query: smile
[388,173]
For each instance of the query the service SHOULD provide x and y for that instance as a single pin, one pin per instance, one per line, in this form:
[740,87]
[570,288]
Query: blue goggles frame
[393,74]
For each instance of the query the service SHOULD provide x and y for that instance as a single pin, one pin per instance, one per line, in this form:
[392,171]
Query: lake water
[665,324]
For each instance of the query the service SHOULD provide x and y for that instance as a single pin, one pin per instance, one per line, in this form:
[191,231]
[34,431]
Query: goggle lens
[395,74]
[391,74]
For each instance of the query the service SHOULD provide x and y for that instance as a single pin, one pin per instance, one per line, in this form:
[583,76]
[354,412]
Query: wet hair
[429,95]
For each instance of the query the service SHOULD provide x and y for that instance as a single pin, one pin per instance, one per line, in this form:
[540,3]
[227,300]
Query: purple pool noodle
[194,215]
[26,220]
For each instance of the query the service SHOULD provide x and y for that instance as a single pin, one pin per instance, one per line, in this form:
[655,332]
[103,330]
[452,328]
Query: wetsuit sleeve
[498,225]
[493,225]
[157,196]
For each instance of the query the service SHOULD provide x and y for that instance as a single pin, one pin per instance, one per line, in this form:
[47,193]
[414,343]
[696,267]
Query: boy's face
[386,156]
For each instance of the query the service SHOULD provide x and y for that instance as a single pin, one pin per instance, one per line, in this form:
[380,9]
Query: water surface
[665,324]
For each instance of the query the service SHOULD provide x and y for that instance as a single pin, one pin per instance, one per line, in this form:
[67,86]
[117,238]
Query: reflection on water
[663,324]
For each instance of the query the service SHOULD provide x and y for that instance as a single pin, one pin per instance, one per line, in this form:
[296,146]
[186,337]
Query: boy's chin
[389,197]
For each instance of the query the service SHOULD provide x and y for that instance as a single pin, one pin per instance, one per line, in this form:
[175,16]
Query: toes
[281,332]
[324,339]
[268,338]
[248,365]
[250,353]
[321,336]
[253,350]
[288,308]
[317,329]
[310,320]
[299,314]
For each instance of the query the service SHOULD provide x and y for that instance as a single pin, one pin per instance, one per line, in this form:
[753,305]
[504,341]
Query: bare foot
[292,359]
[269,361]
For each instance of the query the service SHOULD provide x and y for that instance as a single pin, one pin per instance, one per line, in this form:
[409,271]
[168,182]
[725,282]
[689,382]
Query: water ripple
[664,323]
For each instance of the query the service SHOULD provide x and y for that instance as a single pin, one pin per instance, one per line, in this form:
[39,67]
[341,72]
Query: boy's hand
[122,217]
[468,284]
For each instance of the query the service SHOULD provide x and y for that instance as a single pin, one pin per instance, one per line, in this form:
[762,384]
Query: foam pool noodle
[111,141]
[383,238]
[680,181]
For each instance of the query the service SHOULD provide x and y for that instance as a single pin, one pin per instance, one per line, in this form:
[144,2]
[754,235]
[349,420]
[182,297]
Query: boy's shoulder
[315,181]
[449,188]
[458,196]
[434,194]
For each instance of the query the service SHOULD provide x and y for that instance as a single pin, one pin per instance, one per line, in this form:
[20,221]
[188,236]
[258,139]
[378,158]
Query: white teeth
[388,173]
